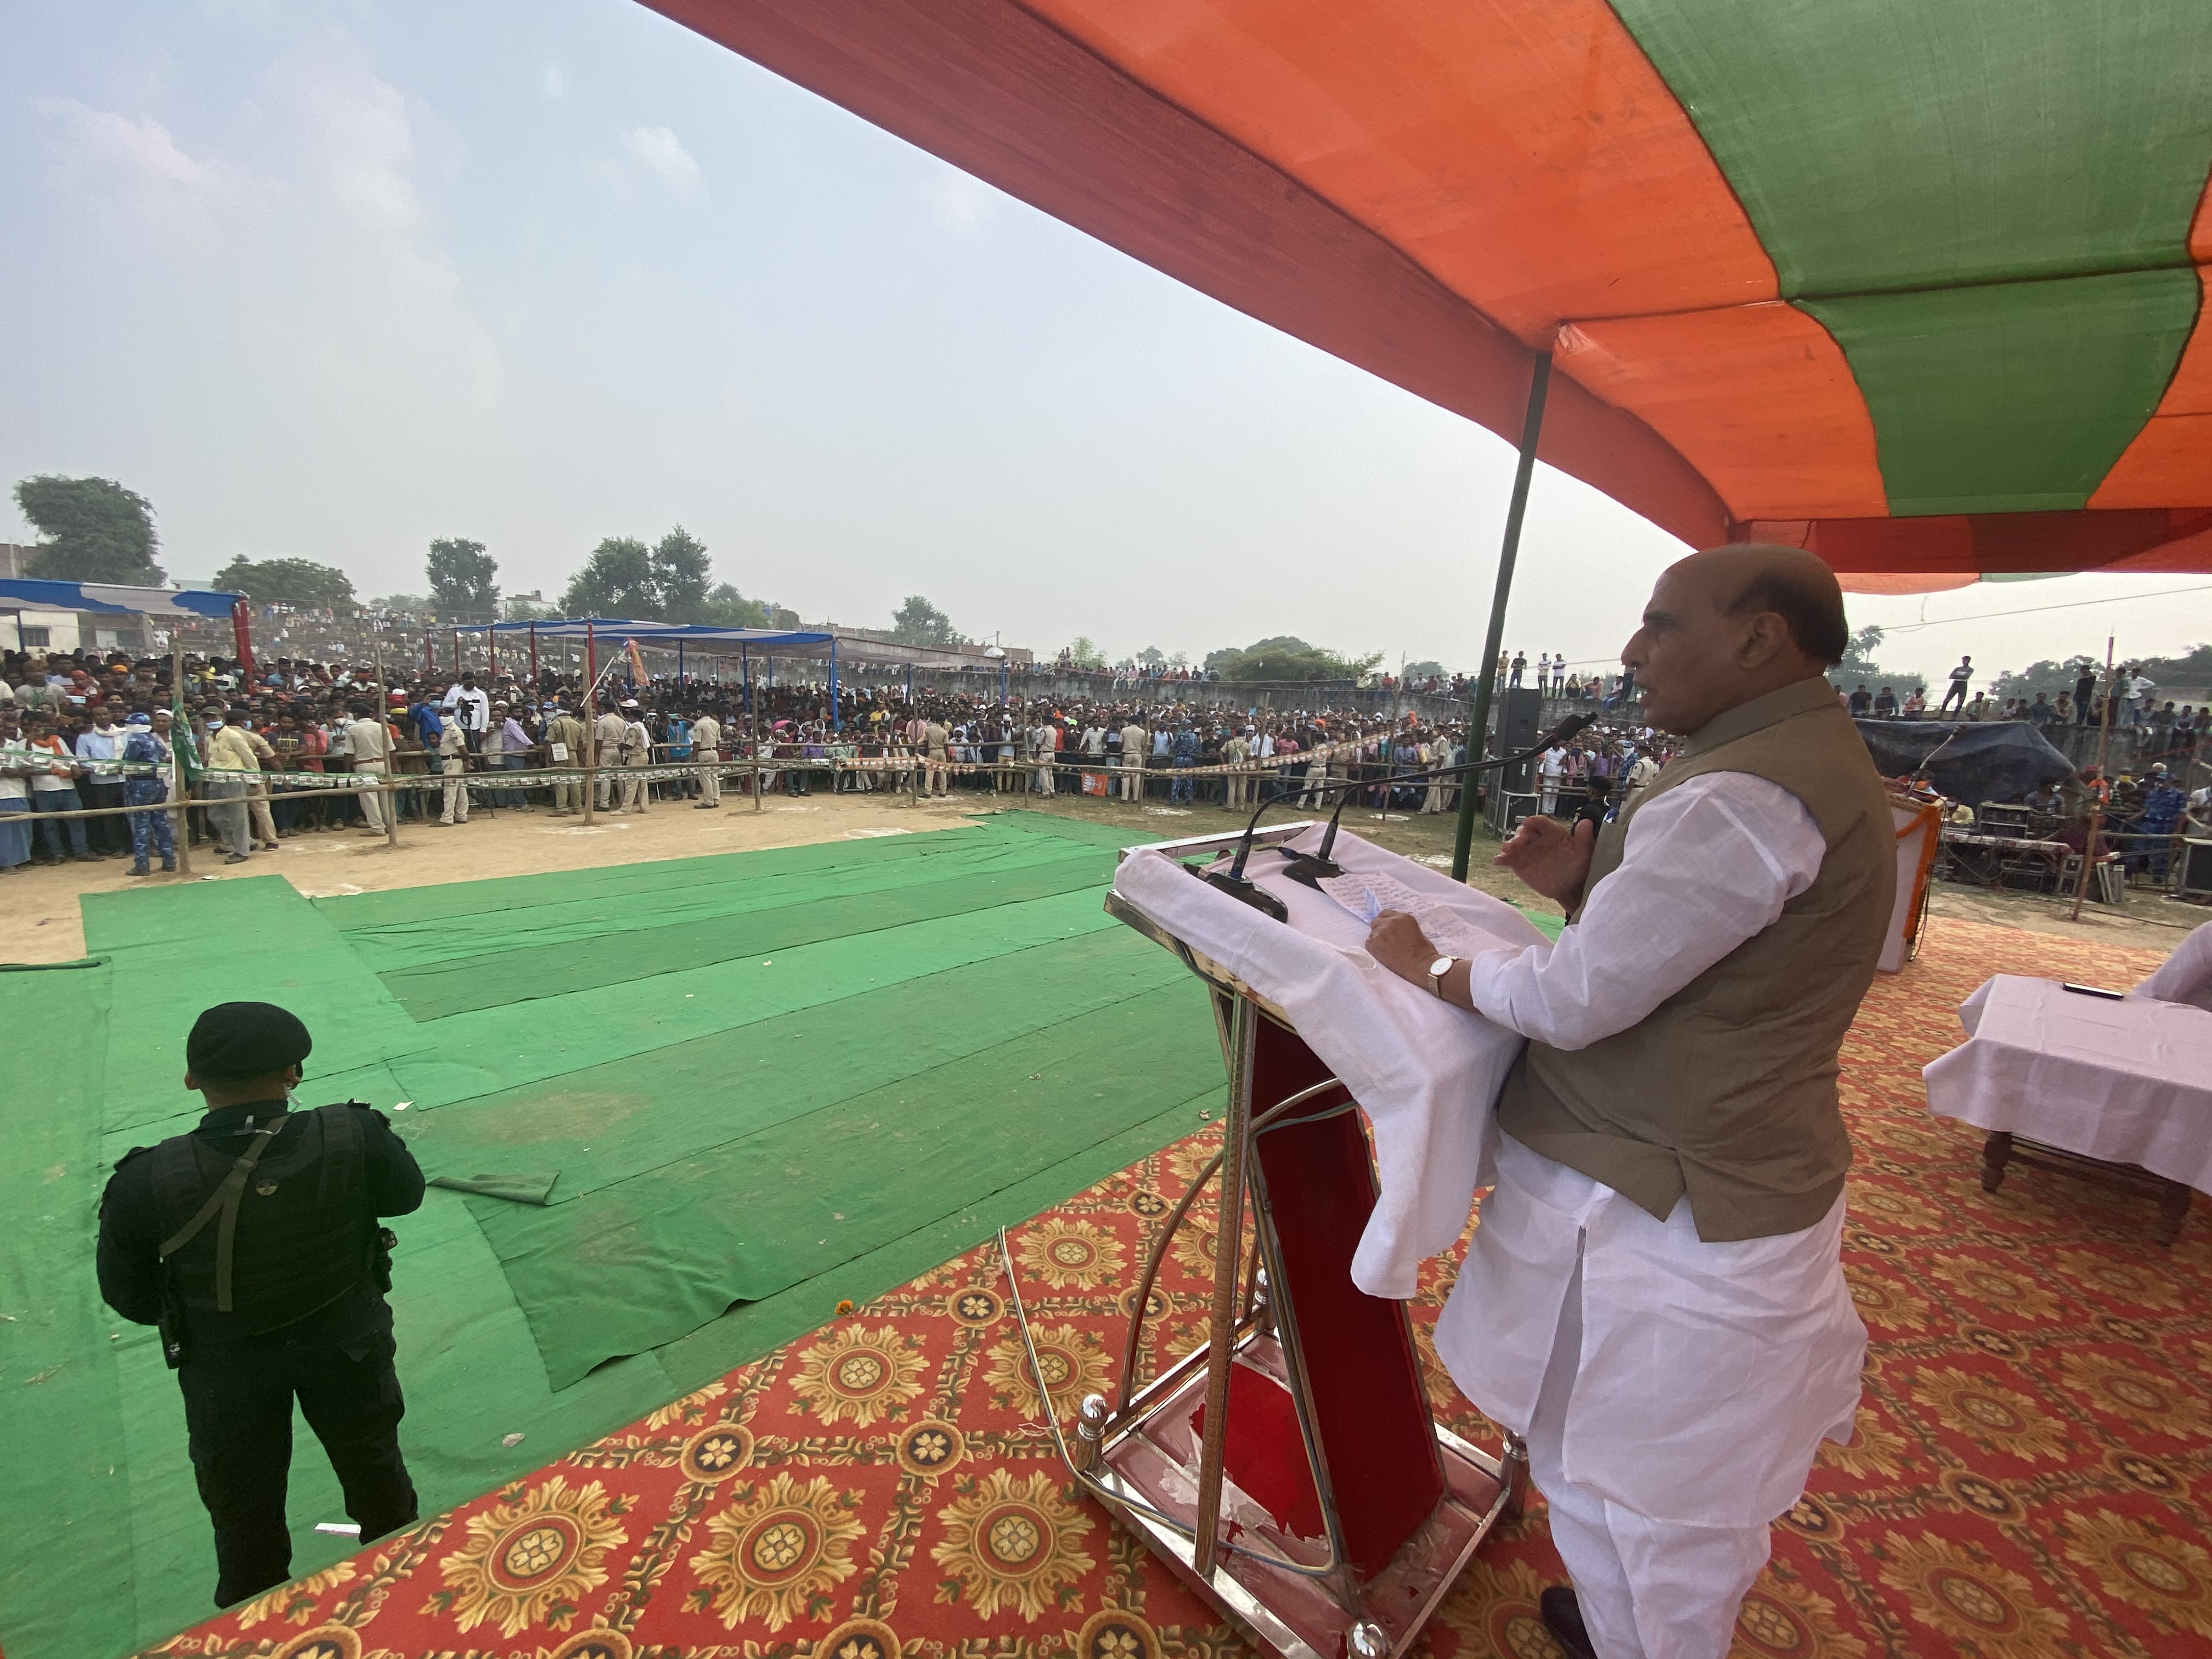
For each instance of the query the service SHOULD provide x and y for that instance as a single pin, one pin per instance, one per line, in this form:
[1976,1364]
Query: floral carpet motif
[2031,1471]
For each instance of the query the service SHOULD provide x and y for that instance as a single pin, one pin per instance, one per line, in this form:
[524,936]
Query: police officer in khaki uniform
[607,736]
[707,751]
[564,742]
[454,764]
[254,1243]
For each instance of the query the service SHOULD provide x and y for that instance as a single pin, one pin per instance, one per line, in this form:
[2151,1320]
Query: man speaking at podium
[1654,1298]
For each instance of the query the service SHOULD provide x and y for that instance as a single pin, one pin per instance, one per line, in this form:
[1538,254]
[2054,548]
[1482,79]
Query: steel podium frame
[1294,1596]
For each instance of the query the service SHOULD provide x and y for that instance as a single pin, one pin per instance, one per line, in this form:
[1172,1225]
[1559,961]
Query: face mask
[215,726]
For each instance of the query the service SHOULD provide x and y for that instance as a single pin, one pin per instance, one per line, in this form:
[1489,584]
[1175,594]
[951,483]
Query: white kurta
[1708,1372]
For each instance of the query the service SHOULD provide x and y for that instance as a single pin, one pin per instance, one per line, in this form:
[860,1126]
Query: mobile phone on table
[2094,991]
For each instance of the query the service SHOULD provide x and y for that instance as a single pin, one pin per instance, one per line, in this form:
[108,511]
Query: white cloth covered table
[2129,1081]
[1426,1072]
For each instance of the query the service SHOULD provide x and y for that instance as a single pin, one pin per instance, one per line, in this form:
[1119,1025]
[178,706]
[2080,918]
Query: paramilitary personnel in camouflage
[254,1243]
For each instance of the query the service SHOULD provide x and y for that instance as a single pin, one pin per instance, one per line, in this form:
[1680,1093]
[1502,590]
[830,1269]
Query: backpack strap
[225,1200]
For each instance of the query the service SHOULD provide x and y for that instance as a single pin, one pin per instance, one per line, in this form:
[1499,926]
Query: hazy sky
[327,281]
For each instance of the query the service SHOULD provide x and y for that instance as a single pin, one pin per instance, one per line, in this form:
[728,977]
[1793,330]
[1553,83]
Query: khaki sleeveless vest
[1727,1091]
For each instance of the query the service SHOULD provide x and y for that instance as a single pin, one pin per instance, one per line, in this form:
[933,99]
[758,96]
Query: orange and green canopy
[1916,283]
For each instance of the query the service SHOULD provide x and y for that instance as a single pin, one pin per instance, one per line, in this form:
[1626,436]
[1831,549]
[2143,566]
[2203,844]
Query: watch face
[1440,967]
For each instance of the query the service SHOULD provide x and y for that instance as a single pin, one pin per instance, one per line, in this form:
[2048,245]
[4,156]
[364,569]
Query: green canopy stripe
[2007,274]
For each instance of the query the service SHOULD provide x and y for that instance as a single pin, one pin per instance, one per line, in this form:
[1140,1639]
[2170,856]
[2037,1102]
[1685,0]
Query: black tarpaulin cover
[1968,761]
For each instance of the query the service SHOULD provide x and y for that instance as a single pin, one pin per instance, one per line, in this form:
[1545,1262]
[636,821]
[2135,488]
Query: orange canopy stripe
[1435,192]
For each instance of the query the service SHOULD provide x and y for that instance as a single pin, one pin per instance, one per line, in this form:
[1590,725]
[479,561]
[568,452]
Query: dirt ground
[40,921]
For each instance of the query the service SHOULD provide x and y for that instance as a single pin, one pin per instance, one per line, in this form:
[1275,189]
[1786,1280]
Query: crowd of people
[271,740]
[2130,698]
[83,732]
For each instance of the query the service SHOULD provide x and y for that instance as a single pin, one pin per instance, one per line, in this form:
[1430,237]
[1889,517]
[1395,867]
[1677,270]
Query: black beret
[245,1039]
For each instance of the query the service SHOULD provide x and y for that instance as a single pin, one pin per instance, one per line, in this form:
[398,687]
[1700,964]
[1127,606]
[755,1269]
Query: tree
[301,582]
[90,530]
[617,580]
[680,570]
[1081,654]
[1424,671]
[2052,677]
[1286,659]
[1859,667]
[405,604]
[461,582]
[1151,656]
[725,607]
[920,623]
[530,610]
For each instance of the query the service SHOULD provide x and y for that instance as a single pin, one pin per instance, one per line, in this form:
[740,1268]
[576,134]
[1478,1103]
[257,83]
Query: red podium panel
[1315,1187]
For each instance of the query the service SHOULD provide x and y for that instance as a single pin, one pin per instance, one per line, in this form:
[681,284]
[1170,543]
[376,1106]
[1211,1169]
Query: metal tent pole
[386,792]
[2104,788]
[591,719]
[534,659]
[1478,731]
[180,732]
[832,683]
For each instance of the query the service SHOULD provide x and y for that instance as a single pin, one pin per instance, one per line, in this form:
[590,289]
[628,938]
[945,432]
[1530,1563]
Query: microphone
[1309,868]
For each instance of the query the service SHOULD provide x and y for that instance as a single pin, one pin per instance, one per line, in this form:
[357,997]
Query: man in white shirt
[1962,678]
[102,785]
[1655,1299]
[472,704]
[14,792]
[1551,771]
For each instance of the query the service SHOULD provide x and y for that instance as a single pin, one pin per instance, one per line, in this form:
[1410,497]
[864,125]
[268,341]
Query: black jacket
[131,1226]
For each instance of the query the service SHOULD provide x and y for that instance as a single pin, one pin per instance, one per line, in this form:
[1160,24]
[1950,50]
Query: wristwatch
[1438,970]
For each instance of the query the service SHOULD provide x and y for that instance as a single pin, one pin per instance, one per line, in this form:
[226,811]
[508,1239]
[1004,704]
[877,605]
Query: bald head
[1791,582]
[1731,624]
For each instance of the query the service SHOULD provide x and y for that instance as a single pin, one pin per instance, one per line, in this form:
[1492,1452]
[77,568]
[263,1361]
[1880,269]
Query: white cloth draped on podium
[1427,1074]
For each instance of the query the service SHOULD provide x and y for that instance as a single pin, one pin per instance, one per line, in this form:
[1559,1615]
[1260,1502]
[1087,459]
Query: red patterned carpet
[2032,1469]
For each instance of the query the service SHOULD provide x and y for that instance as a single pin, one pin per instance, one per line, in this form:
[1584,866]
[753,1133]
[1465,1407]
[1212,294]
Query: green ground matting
[760,1082]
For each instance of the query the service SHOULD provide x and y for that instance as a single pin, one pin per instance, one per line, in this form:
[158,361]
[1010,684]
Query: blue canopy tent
[19,594]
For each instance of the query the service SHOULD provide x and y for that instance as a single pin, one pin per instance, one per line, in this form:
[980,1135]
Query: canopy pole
[180,733]
[832,683]
[591,720]
[533,660]
[2104,787]
[387,795]
[679,665]
[1478,730]
[457,654]
[752,715]
[491,647]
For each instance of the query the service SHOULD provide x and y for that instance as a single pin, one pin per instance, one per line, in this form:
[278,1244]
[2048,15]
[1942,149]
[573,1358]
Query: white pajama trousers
[1674,1391]
[1648,1589]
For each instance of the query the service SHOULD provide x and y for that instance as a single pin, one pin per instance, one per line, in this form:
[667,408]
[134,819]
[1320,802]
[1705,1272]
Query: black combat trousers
[238,1413]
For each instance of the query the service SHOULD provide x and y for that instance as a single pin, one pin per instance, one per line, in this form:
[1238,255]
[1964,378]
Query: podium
[1290,1471]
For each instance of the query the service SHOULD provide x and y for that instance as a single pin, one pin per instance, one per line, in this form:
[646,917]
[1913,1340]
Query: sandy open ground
[39,920]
